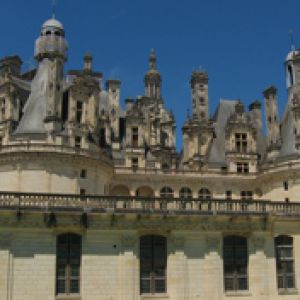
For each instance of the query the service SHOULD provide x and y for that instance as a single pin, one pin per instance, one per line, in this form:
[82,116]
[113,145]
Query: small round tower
[52,42]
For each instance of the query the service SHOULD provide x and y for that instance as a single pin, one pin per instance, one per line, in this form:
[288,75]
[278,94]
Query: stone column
[177,270]
[129,267]
[213,268]
[257,268]
[5,267]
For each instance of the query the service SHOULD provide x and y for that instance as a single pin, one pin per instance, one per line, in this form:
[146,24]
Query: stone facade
[73,163]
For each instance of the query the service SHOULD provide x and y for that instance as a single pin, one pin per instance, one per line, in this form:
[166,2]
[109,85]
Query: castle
[97,204]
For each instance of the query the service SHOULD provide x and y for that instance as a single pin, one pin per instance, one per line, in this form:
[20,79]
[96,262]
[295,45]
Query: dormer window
[241,142]
[242,168]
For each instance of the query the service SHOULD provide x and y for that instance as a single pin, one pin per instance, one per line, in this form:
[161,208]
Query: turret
[152,79]
[43,110]
[199,85]
[51,43]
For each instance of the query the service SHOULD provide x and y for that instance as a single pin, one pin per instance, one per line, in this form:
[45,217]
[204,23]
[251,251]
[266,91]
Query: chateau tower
[51,50]
[152,79]
[42,112]
[199,85]
[292,65]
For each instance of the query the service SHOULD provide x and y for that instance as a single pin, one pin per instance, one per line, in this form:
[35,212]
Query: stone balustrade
[144,205]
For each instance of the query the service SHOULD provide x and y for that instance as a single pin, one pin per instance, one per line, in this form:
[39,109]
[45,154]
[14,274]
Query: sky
[242,44]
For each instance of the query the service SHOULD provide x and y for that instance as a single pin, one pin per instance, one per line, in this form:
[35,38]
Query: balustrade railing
[130,204]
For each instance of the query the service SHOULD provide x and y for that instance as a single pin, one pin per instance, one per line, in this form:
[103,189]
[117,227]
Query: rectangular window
[235,260]
[79,106]
[153,264]
[102,137]
[242,168]
[285,262]
[134,162]
[65,107]
[246,195]
[68,261]
[286,185]
[82,191]
[135,136]
[241,142]
[83,173]
[228,195]
[77,141]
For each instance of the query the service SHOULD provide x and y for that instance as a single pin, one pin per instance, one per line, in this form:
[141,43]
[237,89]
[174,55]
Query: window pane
[60,287]
[160,286]
[229,284]
[242,284]
[74,287]
[145,286]
[290,282]
[75,270]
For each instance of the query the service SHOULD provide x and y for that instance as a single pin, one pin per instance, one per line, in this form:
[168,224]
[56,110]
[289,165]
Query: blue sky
[242,44]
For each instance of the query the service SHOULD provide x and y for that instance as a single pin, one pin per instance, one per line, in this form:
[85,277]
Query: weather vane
[53,9]
[291,34]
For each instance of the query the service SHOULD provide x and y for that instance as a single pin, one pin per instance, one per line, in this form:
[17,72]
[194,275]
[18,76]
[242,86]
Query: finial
[291,34]
[53,9]
[152,59]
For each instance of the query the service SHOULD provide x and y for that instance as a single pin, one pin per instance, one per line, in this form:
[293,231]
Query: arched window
[166,192]
[204,194]
[235,260]
[68,261]
[144,191]
[284,262]
[185,192]
[153,264]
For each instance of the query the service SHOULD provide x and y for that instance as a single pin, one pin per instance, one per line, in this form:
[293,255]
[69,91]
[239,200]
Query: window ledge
[288,291]
[238,294]
[154,296]
[68,297]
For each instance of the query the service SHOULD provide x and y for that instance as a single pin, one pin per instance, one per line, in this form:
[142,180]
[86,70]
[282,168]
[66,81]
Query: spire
[152,60]
[152,78]
[53,9]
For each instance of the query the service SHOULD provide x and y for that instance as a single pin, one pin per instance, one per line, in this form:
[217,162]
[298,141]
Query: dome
[291,55]
[53,23]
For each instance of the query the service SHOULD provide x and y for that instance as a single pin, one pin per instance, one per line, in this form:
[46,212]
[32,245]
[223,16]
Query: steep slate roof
[217,152]
[34,110]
